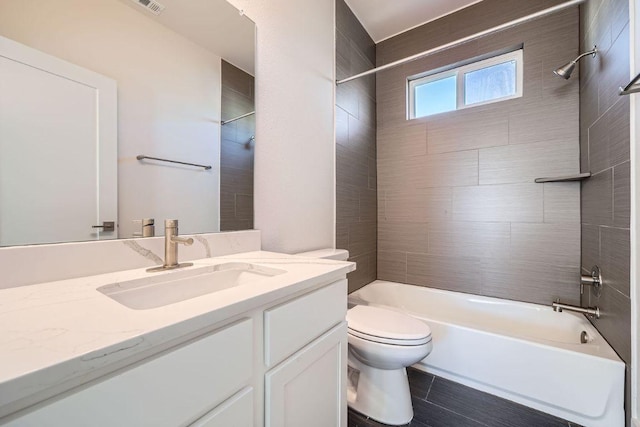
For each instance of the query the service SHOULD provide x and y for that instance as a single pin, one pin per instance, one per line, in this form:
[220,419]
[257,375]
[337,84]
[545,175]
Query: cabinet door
[237,411]
[308,389]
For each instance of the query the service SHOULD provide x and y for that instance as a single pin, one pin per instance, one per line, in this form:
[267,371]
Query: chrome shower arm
[592,52]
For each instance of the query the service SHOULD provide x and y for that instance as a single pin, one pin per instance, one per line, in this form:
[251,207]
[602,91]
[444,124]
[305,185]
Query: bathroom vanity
[269,349]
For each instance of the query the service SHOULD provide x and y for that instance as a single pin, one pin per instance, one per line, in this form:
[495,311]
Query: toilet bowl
[382,343]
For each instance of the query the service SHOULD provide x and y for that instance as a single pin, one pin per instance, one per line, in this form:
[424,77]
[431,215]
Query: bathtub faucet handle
[594,279]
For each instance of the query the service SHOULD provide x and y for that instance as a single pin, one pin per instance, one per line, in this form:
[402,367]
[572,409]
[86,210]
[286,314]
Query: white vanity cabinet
[280,365]
[236,411]
[173,389]
[306,344]
[308,389]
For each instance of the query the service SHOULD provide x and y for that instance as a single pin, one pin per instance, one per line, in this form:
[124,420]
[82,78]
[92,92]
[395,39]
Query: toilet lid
[382,325]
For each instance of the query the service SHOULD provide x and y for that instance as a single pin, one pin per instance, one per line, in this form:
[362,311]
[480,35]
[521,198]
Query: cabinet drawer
[171,390]
[236,412]
[292,325]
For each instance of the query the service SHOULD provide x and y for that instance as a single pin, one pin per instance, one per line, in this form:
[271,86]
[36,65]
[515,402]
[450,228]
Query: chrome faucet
[594,280]
[171,241]
[592,312]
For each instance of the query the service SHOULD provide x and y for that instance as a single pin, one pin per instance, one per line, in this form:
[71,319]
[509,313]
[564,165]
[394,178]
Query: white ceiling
[386,18]
[213,24]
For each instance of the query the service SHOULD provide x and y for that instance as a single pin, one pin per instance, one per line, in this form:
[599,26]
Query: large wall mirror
[96,95]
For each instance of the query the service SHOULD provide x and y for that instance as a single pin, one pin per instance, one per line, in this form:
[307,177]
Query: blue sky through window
[481,82]
[435,97]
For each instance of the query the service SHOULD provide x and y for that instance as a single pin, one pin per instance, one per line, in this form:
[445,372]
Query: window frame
[459,72]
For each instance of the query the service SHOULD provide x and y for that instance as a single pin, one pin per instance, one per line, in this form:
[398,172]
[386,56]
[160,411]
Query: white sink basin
[179,285]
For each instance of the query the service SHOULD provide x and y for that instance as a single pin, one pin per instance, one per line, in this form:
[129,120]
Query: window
[482,82]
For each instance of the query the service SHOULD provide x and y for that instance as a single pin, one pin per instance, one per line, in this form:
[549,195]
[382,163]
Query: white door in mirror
[56,120]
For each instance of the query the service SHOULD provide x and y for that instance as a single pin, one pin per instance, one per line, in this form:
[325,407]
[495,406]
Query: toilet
[382,343]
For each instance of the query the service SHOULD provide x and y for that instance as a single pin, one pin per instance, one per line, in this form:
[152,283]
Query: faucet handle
[594,279]
[187,241]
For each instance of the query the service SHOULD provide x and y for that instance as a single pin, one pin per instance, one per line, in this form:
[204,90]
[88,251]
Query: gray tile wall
[457,205]
[356,179]
[604,151]
[236,150]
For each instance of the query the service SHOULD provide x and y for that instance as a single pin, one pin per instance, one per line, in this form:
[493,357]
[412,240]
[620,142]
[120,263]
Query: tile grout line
[463,416]
[433,378]
[482,421]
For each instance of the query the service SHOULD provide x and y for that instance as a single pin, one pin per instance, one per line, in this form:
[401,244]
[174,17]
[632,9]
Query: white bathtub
[523,352]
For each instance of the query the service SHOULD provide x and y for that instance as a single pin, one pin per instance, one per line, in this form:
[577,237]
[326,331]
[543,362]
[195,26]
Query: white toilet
[382,343]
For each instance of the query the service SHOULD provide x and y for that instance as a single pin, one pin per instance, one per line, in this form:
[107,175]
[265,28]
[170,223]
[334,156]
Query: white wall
[295,151]
[634,61]
[168,107]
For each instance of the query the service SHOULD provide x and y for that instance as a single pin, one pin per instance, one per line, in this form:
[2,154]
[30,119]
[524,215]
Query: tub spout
[593,312]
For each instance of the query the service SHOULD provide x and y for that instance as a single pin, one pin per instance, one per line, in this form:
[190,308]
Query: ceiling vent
[151,5]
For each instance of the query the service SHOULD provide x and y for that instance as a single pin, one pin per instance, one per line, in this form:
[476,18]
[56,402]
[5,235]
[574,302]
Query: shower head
[566,70]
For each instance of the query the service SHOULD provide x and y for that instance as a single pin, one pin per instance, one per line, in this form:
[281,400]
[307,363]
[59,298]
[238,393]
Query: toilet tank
[337,254]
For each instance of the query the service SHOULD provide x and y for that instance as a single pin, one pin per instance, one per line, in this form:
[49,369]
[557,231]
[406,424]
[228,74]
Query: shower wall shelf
[567,178]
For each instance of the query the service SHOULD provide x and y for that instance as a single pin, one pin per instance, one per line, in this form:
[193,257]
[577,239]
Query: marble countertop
[57,335]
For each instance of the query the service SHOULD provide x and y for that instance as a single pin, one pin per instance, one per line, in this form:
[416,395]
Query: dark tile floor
[442,403]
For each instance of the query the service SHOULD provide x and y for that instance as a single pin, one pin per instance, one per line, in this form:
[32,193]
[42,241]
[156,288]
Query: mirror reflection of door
[56,119]
[167,65]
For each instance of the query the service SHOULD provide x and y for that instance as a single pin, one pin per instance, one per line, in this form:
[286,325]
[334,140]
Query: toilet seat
[386,326]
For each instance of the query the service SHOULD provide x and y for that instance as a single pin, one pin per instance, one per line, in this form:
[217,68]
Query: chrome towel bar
[224,122]
[142,157]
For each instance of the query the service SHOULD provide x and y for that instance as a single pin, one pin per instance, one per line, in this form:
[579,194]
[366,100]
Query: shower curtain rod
[463,40]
